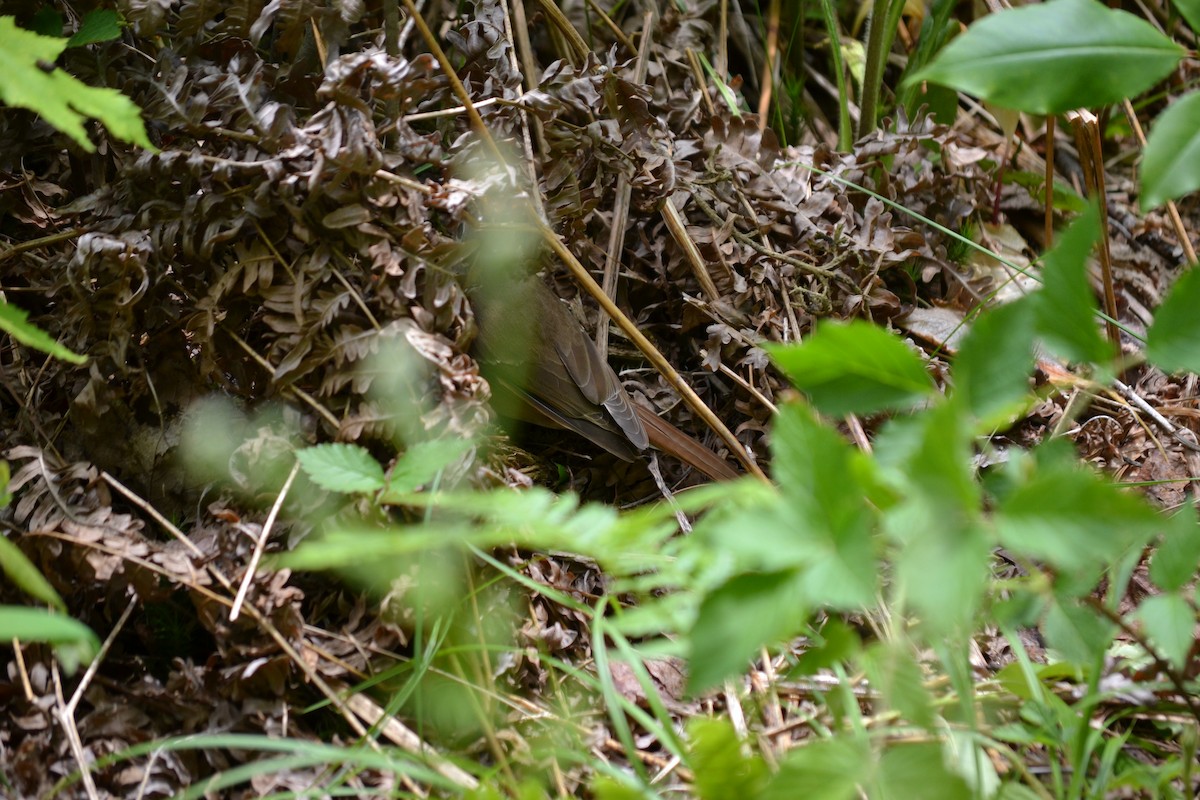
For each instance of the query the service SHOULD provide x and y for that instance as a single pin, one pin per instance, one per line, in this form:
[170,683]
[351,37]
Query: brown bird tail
[666,437]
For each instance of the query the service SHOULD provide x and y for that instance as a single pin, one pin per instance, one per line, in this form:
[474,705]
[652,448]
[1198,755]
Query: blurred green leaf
[722,771]
[1173,341]
[421,463]
[1072,518]
[854,368]
[16,323]
[1077,633]
[1065,307]
[831,769]
[1171,160]
[736,620]
[821,482]
[1190,11]
[74,643]
[345,468]
[1177,556]
[993,365]
[897,676]
[26,577]
[1096,56]
[918,769]
[1170,622]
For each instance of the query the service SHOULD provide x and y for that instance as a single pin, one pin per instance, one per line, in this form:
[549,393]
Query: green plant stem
[881,32]
[839,71]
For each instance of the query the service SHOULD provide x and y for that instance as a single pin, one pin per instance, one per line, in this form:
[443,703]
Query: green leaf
[897,676]
[16,323]
[74,643]
[342,468]
[1173,341]
[1072,518]
[1171,161]
[421,463]
[722,771]
[1065,307]
[101,25]
[1075,632]
[855,368]
[943,568]
[992,367]
[822,481]
[5,475]
[736,620]
[25,576]
[1190,11]
[1177,556]
[1170,622]
[63,101]
[1054,57]
[831,769]
[919,770]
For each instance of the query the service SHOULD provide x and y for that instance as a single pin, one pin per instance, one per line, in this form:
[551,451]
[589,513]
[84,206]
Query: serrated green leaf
[1171,161]
[26,577]
[1169,620]
[421,463]
[101,25]
[1065,307]
[1177,556]
[63,101]
[1095,55]
[16,323]
[993,365]
[342,468]
[854,368]
[1173,341]
[736,620]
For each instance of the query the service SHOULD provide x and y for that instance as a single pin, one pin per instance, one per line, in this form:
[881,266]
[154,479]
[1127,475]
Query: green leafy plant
[1053,57]
[29,79]
[766,564]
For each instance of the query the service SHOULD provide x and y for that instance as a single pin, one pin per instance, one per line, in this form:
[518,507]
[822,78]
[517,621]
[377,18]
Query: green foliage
[74,643]
[1065,308]
[16,323]
[26,577]
[1171,340]
[1171,162]
[854,368]
[29,80]
[1096,56]
[343,468]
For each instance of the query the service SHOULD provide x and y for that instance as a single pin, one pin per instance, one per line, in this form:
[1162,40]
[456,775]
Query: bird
[545,370]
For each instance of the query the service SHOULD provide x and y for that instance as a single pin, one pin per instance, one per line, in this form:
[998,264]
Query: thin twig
[261,544]
[166,524]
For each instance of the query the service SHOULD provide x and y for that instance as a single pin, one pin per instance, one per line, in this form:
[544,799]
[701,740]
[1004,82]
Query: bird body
[547,371]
